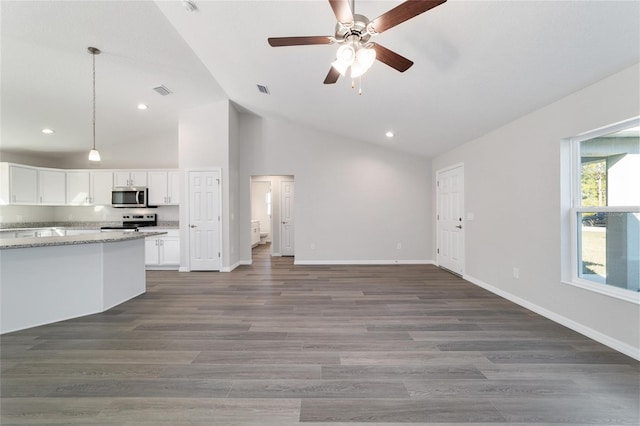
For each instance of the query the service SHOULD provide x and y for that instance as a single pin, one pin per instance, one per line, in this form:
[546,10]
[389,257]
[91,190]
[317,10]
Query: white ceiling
[478,65]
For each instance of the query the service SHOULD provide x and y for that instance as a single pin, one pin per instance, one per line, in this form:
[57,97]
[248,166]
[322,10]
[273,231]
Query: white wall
[513,184]
[353,201]
[21,214]
[159,151]
[203,144]
[234,187]
[33,159]
[47,214]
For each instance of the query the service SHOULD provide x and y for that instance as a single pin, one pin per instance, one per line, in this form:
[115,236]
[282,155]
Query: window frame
[572,266]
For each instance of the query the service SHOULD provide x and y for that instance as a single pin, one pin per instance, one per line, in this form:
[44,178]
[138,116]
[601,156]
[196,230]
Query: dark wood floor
[277,344]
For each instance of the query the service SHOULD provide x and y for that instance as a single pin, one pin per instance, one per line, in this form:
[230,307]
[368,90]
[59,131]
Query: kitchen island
[49,279]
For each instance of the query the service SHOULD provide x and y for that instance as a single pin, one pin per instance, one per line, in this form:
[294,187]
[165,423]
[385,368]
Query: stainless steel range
[131,222]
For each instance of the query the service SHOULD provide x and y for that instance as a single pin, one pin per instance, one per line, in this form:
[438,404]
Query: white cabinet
[164,187]
[129,178]
[101,183]
[78,188]
[163,251]
[28,185]
[19,184]
[31,185]
[255,233]
[52,187]
[89,187]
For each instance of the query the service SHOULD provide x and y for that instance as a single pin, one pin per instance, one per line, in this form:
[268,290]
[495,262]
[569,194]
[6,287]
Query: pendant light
[94,155]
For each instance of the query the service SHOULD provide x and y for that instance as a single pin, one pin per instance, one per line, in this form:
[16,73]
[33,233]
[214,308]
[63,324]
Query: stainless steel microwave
[129,196]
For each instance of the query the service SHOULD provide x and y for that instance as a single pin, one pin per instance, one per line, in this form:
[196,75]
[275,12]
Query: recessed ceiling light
[142,106]
[189,6]
[389,134]
[48,131]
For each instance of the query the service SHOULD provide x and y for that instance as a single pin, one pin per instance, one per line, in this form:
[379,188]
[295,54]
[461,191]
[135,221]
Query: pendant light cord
[94,99]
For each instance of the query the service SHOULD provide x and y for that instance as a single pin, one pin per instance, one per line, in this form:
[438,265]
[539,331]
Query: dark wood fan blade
[391,58]
[403,12]
[332,76]
[298,41]
[342,10]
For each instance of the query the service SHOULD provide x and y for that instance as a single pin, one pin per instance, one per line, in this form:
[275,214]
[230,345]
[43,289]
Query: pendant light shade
[94,155]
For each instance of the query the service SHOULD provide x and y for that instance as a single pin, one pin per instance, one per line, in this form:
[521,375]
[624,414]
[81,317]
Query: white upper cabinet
[52,187]
[101,186]
[78,188]
[30,185]
[23,184]
[86,187]
[130,178]
[164,187]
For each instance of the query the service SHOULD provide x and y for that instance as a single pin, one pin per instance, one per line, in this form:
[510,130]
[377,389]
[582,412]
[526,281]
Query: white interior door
[450,219]
[286,218]
[204,221]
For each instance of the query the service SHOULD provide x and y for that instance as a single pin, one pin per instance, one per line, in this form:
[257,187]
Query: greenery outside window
[605,210]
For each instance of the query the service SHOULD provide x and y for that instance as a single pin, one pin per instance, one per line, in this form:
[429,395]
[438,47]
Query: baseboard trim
[562,320]
[363,262]
[235,265]
[183,269]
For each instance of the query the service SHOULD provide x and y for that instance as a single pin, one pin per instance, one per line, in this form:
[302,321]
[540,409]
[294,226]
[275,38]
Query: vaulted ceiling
[477,66]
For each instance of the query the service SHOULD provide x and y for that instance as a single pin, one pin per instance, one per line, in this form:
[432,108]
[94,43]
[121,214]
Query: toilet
[263,237]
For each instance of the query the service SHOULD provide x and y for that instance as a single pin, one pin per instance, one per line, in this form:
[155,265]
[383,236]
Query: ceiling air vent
[162,90]
[263,89]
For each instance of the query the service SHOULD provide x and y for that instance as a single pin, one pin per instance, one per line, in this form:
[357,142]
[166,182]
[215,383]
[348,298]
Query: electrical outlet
[399,246]
[516,273]
[312,246]
[19,217]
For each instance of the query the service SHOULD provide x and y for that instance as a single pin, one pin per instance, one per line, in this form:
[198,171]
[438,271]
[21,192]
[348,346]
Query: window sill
[617,293]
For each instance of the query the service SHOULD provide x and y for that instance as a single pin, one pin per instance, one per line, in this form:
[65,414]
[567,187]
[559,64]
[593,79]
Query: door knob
[192,226]
[459,226]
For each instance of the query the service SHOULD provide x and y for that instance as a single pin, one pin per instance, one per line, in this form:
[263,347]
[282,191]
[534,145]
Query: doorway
[272,211]
[450,224]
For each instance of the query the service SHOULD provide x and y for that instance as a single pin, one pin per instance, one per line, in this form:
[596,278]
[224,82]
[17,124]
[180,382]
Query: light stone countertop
[97,237]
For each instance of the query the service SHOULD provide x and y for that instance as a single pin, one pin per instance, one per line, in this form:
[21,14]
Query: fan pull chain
[353,84]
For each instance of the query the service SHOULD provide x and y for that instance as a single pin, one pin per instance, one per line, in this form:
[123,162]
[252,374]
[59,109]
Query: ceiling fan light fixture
[340,66]
[346,54]
[357,69]
[366,56]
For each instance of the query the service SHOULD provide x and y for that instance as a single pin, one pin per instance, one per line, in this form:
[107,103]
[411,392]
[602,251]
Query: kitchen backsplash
[96,214]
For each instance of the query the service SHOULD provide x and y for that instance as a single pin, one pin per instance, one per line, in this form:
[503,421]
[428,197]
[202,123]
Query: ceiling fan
[353,33]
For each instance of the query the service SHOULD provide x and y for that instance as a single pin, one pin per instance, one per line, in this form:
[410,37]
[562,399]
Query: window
[605,210]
